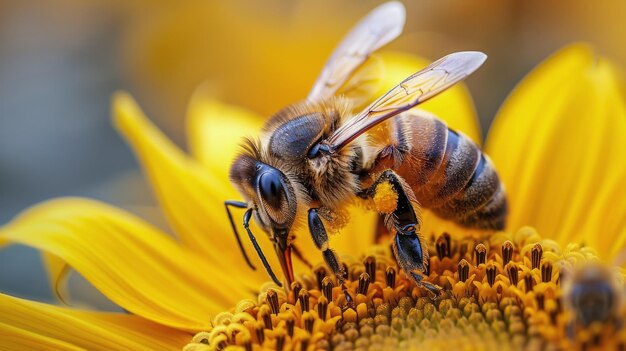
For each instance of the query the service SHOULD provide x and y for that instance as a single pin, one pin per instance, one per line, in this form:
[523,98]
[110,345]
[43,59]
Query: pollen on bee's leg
[385,198]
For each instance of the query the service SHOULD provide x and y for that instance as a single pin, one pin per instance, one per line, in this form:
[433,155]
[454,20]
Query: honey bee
[592,295]
[315,156]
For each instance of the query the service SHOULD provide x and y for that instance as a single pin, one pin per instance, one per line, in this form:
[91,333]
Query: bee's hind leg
[408,245]
[320,238]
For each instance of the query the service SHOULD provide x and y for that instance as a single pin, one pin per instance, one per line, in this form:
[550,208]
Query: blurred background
[61,60]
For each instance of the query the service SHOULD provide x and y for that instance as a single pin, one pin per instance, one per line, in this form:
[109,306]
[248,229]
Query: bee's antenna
[246,224]
[238,204]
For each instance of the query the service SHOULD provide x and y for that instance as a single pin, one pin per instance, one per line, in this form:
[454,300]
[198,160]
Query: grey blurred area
[58,69]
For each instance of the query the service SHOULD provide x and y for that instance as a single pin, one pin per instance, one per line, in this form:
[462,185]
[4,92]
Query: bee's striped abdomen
[447,172]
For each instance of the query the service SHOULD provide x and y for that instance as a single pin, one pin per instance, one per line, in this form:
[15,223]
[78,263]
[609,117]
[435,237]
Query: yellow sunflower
[557,143]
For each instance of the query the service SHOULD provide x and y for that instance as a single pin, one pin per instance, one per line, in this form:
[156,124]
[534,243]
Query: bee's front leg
[408,245]
[320,238]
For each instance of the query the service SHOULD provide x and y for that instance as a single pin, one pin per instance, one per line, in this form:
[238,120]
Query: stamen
[322,307]
[477,305]
[513,271]
[280,342]
[295,288]
[272,301]
[264,314]
[247,345]
[303,298]
[320,273]
[259,331]
[540,300]
[304,344]
[390,277]
[463,270]
[491,273]
[327,288]
[507,252]
[529,282]
[480,252]
[308,320]
[443,245]
[290,323]
[370,267]
[364,283]
[546,272]
[536,253]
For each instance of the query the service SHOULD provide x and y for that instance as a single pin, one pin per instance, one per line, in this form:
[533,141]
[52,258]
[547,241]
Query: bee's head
[273,200]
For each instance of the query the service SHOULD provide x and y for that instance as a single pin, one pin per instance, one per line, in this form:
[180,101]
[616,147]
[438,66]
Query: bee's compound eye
[272,189]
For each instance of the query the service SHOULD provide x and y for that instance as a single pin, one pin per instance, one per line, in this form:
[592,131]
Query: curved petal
[129,261]
[29,325]
[57,271]
[558,143]
[455,106]
[191,197]
[215,131]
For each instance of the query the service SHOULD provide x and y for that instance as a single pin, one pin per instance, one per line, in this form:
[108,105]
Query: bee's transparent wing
[379,27]
[419,87]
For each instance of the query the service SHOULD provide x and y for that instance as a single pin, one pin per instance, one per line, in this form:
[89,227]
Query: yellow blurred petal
[455,106]
[215,131]
[558,143]
[19,339]
[57,270]
[357,237]
[192,197]
[129,261]
[28,325]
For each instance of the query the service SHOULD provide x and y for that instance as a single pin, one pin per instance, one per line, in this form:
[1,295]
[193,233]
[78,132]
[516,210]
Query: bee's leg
[408,246]
[237,204]
[320,238]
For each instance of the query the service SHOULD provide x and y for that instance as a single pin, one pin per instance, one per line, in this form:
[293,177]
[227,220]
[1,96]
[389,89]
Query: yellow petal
[191,197]
[357,237]
[57,270]
[455,106]
[129,261]
[28,325]
[558,143]
[215,131]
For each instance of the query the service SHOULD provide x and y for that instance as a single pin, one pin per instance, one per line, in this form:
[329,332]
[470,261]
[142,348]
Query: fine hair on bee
[314,157]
